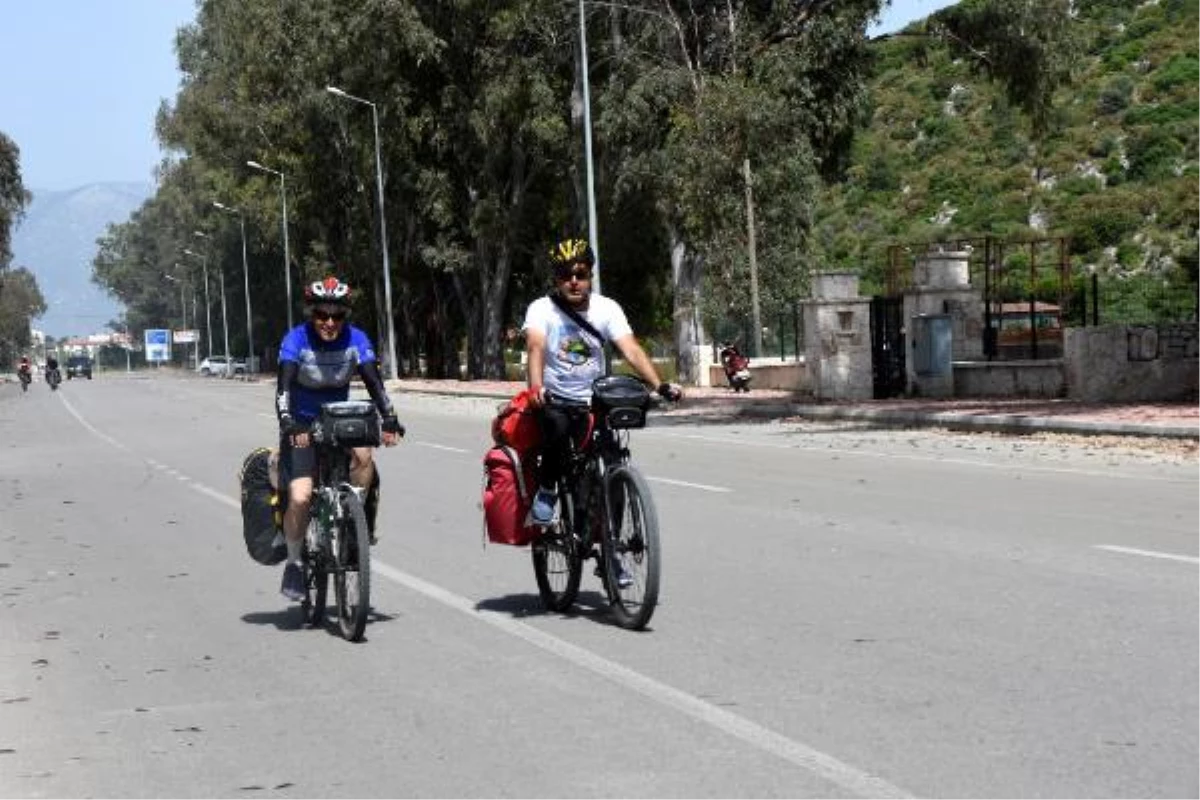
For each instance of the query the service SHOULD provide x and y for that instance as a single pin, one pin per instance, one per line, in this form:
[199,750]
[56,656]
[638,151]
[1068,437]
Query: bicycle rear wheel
[352,577]
[557,563]
[630,539]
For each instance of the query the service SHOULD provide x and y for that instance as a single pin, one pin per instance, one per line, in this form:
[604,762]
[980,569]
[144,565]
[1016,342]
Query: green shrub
[1115,96]
[1122,55]
[1181,70]
[1163,114]
[1153,154]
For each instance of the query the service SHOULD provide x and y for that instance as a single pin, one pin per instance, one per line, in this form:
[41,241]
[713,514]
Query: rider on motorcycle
[25,370]
[52,372]
[316,361]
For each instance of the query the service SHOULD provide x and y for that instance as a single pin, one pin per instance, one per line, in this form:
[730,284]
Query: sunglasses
[324,316]
[578,273]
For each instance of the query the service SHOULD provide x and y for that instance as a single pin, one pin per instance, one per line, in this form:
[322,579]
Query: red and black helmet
[331,290]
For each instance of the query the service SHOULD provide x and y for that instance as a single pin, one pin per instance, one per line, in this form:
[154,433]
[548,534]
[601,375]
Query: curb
[996,423]
[901,418]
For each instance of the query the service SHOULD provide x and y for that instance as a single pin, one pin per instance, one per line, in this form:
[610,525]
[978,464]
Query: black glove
[391,424]
[289,426]
[668,392]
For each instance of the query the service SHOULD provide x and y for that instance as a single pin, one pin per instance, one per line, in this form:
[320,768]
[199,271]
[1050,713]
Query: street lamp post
[250,365]
[593,238]
[387,272]
[207,305]
[287,256]
[182,309]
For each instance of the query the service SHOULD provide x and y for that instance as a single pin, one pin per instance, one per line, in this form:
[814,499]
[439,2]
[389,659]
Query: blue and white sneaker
[542,510]
[293,582]
[624,579]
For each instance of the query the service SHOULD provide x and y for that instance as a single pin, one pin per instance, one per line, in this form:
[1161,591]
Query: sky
[83,80]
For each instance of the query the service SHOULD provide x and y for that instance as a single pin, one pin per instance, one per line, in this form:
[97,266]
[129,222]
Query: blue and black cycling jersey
[313,372]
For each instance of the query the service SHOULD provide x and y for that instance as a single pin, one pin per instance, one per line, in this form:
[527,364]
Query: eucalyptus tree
[20,301]
[14,197]
[254,88]
[494,153]
[712,103]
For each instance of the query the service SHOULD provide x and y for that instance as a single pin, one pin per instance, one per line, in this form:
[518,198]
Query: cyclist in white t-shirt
[564,358]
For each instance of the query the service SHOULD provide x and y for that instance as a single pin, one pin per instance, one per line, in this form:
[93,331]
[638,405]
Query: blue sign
[158,344]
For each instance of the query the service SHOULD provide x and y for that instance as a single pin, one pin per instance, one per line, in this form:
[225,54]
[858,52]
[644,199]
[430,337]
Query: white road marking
[821,764]
[1133,551]
[702,486]
[447,448]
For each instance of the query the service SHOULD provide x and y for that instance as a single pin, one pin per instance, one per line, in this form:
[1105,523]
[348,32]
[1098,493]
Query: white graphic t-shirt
[573,356]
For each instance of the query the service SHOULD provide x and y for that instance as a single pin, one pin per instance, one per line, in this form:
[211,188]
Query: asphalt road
[845,612]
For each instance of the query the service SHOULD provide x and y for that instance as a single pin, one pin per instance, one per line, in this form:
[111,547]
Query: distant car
[79,367]
[215,365]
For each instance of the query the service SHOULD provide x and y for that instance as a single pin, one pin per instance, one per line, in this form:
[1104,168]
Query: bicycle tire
[316,590]
[352,575]
[558,565]
[631,538]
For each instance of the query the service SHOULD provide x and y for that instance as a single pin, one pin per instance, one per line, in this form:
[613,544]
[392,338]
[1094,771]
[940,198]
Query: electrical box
[932,345]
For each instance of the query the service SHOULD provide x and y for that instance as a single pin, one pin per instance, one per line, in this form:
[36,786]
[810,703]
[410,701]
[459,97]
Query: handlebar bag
[622,400]
[350,423]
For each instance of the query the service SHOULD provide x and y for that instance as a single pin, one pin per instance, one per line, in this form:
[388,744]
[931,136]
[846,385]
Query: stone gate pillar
[942,286]
[837,338]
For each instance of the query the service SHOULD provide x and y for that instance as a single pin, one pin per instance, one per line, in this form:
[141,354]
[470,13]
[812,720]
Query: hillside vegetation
[947,156]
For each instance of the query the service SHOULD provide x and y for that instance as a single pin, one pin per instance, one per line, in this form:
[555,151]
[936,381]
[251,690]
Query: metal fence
[783,333]
[1132,300]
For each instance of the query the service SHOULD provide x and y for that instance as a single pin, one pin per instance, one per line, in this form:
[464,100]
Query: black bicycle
[606,513]
[338,542]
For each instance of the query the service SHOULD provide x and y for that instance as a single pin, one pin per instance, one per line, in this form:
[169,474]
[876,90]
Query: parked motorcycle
[736,366]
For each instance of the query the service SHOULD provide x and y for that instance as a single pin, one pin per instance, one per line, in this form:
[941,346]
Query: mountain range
[56,241]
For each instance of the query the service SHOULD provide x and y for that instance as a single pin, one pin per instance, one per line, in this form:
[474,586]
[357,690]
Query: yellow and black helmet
[572,251]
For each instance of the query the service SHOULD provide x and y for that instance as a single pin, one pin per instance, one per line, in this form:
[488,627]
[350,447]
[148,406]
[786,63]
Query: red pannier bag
[516,424]
[507,494]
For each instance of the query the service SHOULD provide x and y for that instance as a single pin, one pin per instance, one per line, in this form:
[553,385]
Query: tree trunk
[686,271]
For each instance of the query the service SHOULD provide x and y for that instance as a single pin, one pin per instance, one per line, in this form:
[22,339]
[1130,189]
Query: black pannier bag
[349,423]
[262,516]
[622,400]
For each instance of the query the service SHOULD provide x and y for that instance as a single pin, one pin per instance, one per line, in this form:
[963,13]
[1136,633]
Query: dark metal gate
[887,346]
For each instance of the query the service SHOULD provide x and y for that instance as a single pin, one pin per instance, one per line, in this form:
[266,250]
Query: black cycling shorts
[295,462]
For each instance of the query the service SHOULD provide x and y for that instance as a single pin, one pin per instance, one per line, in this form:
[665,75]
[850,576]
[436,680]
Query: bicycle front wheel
[316,587]
[352,578]
[630,548]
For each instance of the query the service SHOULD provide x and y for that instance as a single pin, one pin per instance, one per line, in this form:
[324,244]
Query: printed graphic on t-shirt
[574,350]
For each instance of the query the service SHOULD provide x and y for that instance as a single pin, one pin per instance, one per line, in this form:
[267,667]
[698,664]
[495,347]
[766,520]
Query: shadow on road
[590,605]
[290,619]
[284,619]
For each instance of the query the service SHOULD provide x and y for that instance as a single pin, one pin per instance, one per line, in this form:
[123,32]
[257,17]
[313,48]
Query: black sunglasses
[578,273]
[323,316]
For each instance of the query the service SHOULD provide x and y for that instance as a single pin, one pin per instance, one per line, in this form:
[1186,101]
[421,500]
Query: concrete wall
[1043,378]
[790,375]
[1131,363]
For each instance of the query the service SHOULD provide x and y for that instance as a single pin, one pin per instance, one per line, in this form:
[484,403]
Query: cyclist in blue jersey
[316,362]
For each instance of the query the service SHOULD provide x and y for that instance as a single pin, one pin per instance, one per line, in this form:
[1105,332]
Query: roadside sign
[158,344]
[186,336]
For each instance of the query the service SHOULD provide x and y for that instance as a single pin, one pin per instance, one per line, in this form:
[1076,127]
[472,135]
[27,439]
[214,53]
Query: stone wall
[1042,378]
[1132,363]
